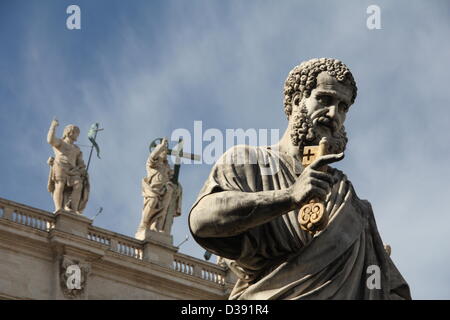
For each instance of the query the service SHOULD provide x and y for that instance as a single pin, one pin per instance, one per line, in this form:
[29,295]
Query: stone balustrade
[199,268]
[143,252]
[118,243]
[32,217]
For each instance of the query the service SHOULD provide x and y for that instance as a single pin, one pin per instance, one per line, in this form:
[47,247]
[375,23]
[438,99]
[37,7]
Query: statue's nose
[331,112]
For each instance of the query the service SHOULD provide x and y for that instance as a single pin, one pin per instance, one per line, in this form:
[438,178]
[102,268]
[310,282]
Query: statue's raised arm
[51,138]
[160,152]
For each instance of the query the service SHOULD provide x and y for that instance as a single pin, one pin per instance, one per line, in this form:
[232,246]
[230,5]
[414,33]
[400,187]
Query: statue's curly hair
[69,129]
[303,78]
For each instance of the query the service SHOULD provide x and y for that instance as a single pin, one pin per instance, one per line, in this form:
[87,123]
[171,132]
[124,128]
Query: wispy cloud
[146,69]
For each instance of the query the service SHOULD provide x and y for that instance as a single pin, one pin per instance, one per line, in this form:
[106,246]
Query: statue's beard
[304,131]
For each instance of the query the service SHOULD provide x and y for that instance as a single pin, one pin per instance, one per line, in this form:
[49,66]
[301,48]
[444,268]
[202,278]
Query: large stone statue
[68,180]
[162,197]
[248,211]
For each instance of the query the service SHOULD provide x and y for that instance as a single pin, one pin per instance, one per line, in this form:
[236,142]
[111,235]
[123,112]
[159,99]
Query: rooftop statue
[68,180]
[162,195]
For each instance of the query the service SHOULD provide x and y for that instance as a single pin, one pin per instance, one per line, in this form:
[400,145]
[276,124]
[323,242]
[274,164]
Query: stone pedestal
[161,237]
[72,223]
[158,248]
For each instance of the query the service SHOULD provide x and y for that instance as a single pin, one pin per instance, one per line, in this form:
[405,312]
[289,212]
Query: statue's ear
[294,103]
[296,99]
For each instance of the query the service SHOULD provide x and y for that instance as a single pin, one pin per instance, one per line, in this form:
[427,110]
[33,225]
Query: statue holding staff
[159,192]
[68,179]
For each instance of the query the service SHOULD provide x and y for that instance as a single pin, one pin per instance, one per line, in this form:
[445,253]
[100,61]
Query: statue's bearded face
[322,114]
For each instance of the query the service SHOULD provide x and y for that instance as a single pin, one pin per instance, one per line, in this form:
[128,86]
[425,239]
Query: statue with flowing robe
[248,209]
[162,197]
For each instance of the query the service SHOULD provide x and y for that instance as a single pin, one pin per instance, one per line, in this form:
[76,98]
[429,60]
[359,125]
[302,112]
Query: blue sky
[145,68]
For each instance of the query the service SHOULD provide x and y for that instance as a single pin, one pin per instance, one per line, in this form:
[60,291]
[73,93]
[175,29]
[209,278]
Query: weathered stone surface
[247,211]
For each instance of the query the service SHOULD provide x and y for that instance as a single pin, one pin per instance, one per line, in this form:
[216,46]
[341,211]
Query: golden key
[313,216]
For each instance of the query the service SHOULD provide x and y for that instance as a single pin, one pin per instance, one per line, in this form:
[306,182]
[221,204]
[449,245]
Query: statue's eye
[325,99]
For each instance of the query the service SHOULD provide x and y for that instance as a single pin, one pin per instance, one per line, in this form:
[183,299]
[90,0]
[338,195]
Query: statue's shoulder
[340,175]
[239,155]
[364,204]
[241,148]
[77,149]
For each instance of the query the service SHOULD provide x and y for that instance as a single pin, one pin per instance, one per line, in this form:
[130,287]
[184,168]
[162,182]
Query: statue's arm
[151,164]
[80,161]
[229,213]
[153,157]
[51,138]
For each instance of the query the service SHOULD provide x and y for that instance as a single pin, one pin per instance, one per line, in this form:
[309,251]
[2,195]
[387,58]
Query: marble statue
[162,197]
[248,211]
[68,179]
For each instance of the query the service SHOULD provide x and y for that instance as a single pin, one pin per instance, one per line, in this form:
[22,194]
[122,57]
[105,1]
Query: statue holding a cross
[160,188]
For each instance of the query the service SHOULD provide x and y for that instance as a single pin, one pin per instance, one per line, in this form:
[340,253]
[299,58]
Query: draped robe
[279,260]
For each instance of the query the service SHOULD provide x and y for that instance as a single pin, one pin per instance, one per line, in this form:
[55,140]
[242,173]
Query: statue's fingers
[322,176]
[326,159]
[319,193]
[320,184]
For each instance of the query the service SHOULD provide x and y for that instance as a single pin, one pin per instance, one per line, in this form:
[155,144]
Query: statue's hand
[313,183]
[54,123]
[163,146]
[81,170]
